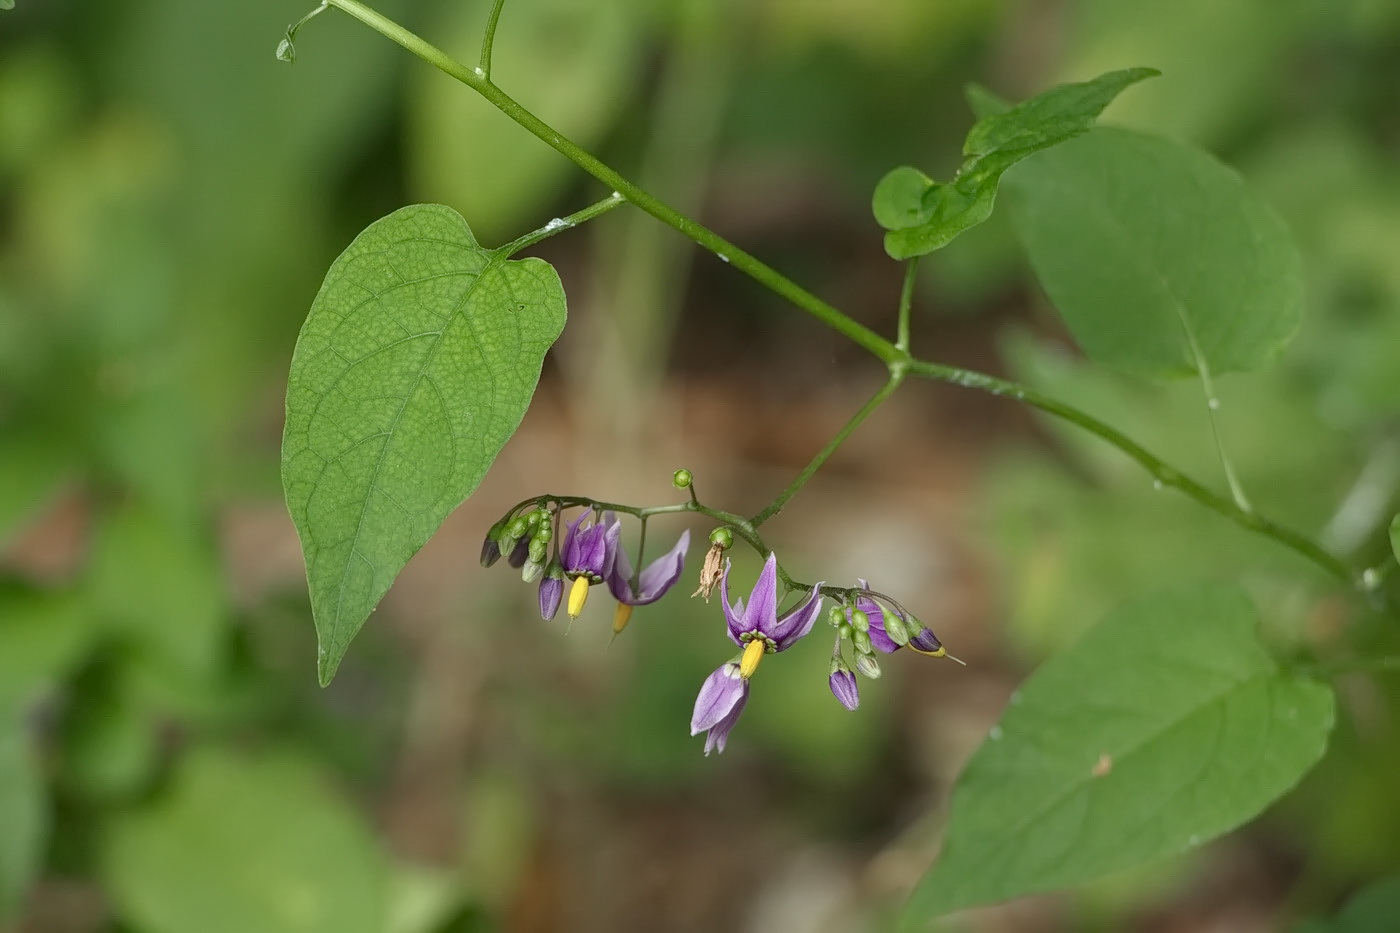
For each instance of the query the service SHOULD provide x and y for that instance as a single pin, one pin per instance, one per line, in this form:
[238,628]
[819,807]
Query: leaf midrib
[341,589]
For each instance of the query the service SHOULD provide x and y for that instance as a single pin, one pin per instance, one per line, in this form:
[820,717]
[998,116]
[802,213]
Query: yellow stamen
[578,595]
[753,653]
[938,652]
[621,617]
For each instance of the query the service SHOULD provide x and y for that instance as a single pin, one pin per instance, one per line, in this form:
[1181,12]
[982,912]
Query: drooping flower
[759,630]
[652,583]
[757,627]
[717,708]
[587,555]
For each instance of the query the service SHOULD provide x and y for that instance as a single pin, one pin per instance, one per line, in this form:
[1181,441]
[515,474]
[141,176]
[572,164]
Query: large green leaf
[1159,258]
[241,844]
[1372,910]
[1167,724]
[413,369]
[922,215]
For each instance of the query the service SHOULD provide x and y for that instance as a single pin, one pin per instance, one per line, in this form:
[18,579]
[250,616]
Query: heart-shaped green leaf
[414,367]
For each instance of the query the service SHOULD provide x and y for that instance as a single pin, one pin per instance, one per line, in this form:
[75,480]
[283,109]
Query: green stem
[559,224]
[895,357]
[858,333]
[777,504]
[1160,471]
[488,38]
[906,302]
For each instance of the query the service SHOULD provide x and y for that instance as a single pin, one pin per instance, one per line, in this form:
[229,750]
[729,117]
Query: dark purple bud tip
[925,641]
[519,554]
[490,551]
[843,687]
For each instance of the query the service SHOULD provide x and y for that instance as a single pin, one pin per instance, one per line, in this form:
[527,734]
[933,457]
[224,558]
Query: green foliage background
[170,198]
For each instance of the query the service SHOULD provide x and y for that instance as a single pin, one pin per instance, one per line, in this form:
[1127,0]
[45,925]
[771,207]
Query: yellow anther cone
[578,595]
[753,653]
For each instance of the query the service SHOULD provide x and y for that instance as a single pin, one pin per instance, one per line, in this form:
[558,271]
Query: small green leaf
[898,202]
[23,814]
[413,369]
[240,844]
[994,144]
[1166,725]
[1159,258]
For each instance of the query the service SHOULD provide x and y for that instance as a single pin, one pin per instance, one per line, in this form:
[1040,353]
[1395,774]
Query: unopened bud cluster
[871,622]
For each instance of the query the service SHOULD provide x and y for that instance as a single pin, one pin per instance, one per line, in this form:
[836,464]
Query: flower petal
[719,732]
[719,694]
[798,620]
[762,613]
[653,582]
[733,613]
[568,552]
[661,574]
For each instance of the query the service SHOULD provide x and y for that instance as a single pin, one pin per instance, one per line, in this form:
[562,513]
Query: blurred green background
[170,196]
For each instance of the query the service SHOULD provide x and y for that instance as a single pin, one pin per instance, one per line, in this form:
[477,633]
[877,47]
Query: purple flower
[757,627]
[654,580]
[843,684]
[759,630]
[588,554]
[717,708]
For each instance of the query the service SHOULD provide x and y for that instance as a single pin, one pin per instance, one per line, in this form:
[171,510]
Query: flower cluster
[591,553]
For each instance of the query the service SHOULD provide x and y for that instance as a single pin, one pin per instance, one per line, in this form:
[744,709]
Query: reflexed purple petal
[719,732]
[762,613]
[925,640]
[612,543]
[719,694]
[798,620]
[661,574]
[844,688]
[570,552]
[658,576]
[551,591]
[733,614]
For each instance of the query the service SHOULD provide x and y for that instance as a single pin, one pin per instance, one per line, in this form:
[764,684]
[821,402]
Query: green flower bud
[532,570]
[867,665]
[538,549]
[516,528]
[845,631]
[722,537]
[896,629]
[861,640]
[860,621]
[835,616]
[681,479]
